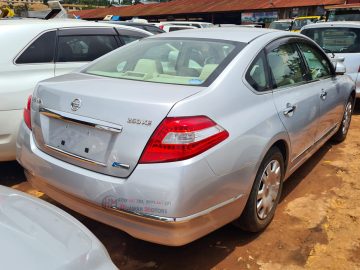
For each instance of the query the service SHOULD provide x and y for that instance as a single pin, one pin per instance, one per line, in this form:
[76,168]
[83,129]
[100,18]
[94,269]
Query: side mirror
[340,68]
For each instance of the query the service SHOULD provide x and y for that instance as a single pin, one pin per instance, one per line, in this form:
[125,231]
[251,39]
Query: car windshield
[336,40]
[298,24]
[280,25]
[173,61]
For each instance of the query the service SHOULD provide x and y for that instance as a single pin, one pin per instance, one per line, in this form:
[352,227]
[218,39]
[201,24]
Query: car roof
[181,22]
[333,24]
[127,23]
[239,34]
[43,25]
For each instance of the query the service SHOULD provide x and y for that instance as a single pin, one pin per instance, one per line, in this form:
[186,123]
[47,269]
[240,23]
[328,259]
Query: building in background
[215,11]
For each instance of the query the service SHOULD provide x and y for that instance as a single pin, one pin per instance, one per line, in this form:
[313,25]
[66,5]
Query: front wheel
[340,135]
[265,193]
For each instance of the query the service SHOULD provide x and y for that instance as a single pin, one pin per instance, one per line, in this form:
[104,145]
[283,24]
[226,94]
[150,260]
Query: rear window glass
[298,24]
[173,61]
[280,25]
[336,40]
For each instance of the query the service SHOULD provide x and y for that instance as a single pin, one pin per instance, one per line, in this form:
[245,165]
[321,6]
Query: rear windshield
[172,61]
[280,25]
[298,24]
[336,40]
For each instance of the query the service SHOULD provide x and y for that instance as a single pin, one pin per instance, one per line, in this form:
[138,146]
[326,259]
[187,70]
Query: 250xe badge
[139,122]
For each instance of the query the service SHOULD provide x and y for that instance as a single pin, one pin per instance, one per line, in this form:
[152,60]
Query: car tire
[340,135]
[264,196]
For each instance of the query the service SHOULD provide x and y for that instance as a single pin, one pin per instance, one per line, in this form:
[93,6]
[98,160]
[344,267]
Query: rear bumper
[165,232]
[169,204]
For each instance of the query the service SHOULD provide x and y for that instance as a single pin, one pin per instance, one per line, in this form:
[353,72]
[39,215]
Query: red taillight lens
[161,27]
[27,113]
[179,138]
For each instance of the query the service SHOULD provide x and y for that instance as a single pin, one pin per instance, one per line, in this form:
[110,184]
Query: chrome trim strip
[180,219]
[77,119]
[75,156]
[116,130]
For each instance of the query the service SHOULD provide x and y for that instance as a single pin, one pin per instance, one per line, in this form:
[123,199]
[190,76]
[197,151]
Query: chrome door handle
[289,109]
[323,94]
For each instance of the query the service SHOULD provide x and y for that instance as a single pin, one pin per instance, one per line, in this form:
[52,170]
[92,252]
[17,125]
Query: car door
[322,80]
[78,46]
[296,103]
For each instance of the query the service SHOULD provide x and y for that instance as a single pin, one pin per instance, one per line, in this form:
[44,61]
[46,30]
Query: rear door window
[286,66]
[336,39]
[80,48]
[40,51]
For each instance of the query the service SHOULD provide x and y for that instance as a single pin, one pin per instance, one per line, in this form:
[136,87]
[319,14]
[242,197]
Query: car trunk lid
[101,124]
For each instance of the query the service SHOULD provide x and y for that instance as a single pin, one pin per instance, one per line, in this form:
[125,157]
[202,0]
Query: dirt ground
[316,226]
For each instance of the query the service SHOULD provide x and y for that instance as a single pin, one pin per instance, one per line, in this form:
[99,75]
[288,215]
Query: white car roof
[183,22]
[332,24]
[239,34]
[43,25]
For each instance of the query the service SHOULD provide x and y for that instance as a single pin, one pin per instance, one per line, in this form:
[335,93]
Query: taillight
[179,138]
[27,113]
[161,27]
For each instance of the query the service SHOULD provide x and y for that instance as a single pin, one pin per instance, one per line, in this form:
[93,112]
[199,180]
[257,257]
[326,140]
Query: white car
[339,40]
[172,28]
[32,50]
[37,235]
[161,25]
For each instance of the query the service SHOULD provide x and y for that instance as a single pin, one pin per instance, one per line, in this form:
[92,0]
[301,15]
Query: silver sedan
[174,136]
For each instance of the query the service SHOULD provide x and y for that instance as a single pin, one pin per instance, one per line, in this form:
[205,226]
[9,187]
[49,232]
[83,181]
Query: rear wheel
[340,135]
[265,194]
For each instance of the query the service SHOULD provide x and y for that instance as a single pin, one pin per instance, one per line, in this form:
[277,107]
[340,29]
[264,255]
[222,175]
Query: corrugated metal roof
[344,6]
[200,6]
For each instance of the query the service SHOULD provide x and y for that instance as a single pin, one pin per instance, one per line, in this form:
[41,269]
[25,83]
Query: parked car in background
[32,50]
[184,23]
[144,26]
[340,40]
[251,25]
[239,25]
[171,28]
[300,22]
[191,130]
[38,235]
[282,24]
